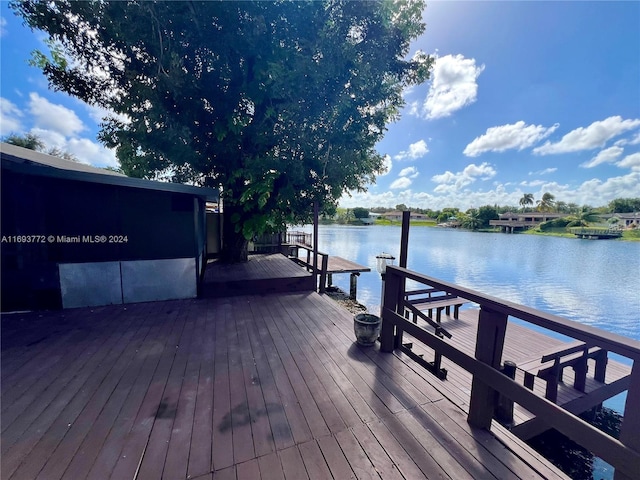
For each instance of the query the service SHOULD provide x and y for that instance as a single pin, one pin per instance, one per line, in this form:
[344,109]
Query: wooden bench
[550,366]
[438,303]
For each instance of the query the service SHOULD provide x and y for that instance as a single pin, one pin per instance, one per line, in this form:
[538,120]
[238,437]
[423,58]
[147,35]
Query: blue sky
[525,97]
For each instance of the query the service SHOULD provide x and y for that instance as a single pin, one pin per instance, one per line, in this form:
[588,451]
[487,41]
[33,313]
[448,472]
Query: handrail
[324,266]
[607,340]
[623,454]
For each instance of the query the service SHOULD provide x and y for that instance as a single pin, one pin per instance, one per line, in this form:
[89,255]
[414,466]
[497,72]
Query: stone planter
[367,328]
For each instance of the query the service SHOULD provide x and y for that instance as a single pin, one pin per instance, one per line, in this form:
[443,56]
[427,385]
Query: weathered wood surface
[521,345]
[263,273]
[262,386]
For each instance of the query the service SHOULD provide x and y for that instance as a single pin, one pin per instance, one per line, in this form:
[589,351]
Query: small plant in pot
[367,328]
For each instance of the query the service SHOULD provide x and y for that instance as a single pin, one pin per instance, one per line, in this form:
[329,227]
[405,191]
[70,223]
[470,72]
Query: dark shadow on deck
[263,273]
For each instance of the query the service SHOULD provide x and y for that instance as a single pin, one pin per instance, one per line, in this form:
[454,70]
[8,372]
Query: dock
[245,387]
[254,385]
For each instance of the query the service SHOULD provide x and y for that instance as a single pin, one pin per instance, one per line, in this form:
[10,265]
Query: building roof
[30,162]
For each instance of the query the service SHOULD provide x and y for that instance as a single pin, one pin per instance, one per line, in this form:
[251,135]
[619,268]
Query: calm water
[593,282]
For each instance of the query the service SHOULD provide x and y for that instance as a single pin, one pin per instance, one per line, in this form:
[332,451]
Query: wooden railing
[300,238]
[622,454]
[308,264]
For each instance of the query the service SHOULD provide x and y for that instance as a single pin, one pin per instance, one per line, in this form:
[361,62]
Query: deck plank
[255,386]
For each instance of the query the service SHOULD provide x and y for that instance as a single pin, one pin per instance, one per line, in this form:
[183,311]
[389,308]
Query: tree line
[479,218]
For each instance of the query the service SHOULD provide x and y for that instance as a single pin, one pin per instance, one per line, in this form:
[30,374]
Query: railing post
[391,284]
[504,409]
[631,420]
[492,327]
[323,273]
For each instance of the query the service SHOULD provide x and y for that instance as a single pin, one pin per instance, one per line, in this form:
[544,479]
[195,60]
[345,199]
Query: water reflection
[593,282]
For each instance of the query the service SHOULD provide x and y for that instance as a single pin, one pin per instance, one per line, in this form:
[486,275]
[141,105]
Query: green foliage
[583,217]
[359,212]
[624,205]
[447,214]
[554,224]
[34,142]
[546,203]
[526,200]
[293,95]
[28,140]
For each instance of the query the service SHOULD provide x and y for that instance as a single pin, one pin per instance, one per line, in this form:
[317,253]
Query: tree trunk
[234,245]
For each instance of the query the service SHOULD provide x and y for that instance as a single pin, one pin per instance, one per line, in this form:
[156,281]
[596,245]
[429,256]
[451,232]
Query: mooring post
[404,239]
[353,285]
[492,327]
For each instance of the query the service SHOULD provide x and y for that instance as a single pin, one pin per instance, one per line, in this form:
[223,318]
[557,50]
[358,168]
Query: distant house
[626,220]
[397,216]
[74,235]
[511,221]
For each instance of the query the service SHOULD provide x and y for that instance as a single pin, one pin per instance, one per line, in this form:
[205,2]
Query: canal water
[595,282]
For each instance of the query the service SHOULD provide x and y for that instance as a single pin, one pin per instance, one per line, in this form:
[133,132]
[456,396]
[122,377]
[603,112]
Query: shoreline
[634,237]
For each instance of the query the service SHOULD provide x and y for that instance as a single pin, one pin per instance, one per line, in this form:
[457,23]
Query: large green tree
[280,104]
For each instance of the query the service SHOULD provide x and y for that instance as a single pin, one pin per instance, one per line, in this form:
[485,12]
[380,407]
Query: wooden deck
[522,343]
[271,273]
[247,387]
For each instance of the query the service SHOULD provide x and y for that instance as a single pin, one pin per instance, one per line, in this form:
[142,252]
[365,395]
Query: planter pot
[366,328]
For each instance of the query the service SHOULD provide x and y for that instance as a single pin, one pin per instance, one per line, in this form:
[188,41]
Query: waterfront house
[75,235]
[397,216]
[511,221]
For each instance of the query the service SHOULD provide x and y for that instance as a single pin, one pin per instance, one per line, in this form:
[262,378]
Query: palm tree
[527,199]
[472,219]
[547,203]
[583,217]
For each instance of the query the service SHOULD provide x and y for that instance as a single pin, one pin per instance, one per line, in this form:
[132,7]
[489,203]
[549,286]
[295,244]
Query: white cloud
[630,161]
[50,116]
[507,137]
[595,135]
[411,172]
[544,172]
[591,192]
[534,183]
[3,25]
[388,165]
[91,152]
[85,150]
[9,117]
[416,150]
[608,155]
[402,182]
[450,181]
[632,141]
[454,85]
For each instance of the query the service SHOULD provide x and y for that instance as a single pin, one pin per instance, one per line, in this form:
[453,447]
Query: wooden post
[492,327]
[504,409]
[323,274]
[390,300]
[404,239]
[315,241]
[353,285]
[631,420]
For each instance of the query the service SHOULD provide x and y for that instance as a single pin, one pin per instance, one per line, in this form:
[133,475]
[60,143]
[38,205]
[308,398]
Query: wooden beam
[404,239]
[631,421]
[492,327]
